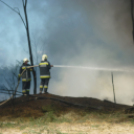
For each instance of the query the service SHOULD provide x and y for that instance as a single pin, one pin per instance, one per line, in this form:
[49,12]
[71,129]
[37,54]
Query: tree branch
[9,90]
[18,12]
[9,93]
[24,4]
[6,90]
[9,84]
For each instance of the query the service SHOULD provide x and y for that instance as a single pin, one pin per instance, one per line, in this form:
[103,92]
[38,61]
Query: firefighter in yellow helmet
[45,67]
[26,77]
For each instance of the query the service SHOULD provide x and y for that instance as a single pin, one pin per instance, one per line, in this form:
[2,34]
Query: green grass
[22,127]
[1,124]
[51,117]
[49,108]
[132,121]
[48,117]
[95,126]
[7,125]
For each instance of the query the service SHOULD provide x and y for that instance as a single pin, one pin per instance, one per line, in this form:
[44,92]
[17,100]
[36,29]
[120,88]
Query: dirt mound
[37,105]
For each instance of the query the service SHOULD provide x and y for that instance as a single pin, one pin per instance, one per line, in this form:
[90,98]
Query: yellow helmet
[44,57]
[25,59]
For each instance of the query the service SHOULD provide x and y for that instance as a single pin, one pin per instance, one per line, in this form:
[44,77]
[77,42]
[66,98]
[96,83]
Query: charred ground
[37,105]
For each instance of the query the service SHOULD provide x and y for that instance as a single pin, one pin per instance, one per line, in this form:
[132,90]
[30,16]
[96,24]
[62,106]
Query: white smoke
[77,33]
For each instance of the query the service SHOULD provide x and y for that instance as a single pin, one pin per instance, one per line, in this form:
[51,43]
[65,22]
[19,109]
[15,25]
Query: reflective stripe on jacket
[44,69]
[26,76]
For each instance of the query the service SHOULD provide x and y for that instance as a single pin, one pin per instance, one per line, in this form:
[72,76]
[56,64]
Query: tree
[9,79]
[28,34]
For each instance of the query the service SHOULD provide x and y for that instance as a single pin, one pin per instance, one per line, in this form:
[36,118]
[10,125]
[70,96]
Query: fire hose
[62,66]
[16,86]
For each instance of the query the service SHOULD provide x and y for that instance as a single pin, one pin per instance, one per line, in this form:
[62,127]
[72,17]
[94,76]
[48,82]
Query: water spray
[96,68]
[77,67]
[91,68]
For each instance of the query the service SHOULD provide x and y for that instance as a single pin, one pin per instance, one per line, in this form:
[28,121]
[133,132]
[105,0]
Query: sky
[94,33]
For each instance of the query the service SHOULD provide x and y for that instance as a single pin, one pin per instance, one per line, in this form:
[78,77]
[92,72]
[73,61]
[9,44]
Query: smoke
[91,33]
[79,33]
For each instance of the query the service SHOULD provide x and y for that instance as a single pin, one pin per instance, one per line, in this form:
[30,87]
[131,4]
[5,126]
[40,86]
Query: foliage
[10,75]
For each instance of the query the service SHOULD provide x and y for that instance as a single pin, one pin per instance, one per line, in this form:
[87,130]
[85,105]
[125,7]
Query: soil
[35,106]
[32,105]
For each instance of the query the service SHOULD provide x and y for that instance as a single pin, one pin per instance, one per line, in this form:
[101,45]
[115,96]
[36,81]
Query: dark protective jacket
[44,69]
[26,76]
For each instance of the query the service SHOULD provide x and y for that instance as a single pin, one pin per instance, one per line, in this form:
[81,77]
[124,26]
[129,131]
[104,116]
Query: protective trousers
[44,84]
[25,87]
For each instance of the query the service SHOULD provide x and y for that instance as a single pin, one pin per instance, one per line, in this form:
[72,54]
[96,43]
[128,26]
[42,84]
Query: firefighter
[44,66]
[26,77]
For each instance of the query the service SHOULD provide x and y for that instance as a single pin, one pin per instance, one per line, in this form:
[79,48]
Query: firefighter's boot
[27,91]
[45,91]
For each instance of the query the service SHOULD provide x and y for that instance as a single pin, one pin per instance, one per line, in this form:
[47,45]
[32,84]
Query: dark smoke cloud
[71,26]
[77,32]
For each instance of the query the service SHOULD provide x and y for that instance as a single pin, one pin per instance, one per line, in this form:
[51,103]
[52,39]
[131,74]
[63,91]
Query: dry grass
[71,122]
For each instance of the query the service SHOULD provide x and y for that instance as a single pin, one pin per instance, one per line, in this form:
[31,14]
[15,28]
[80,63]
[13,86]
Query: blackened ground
[37,105]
